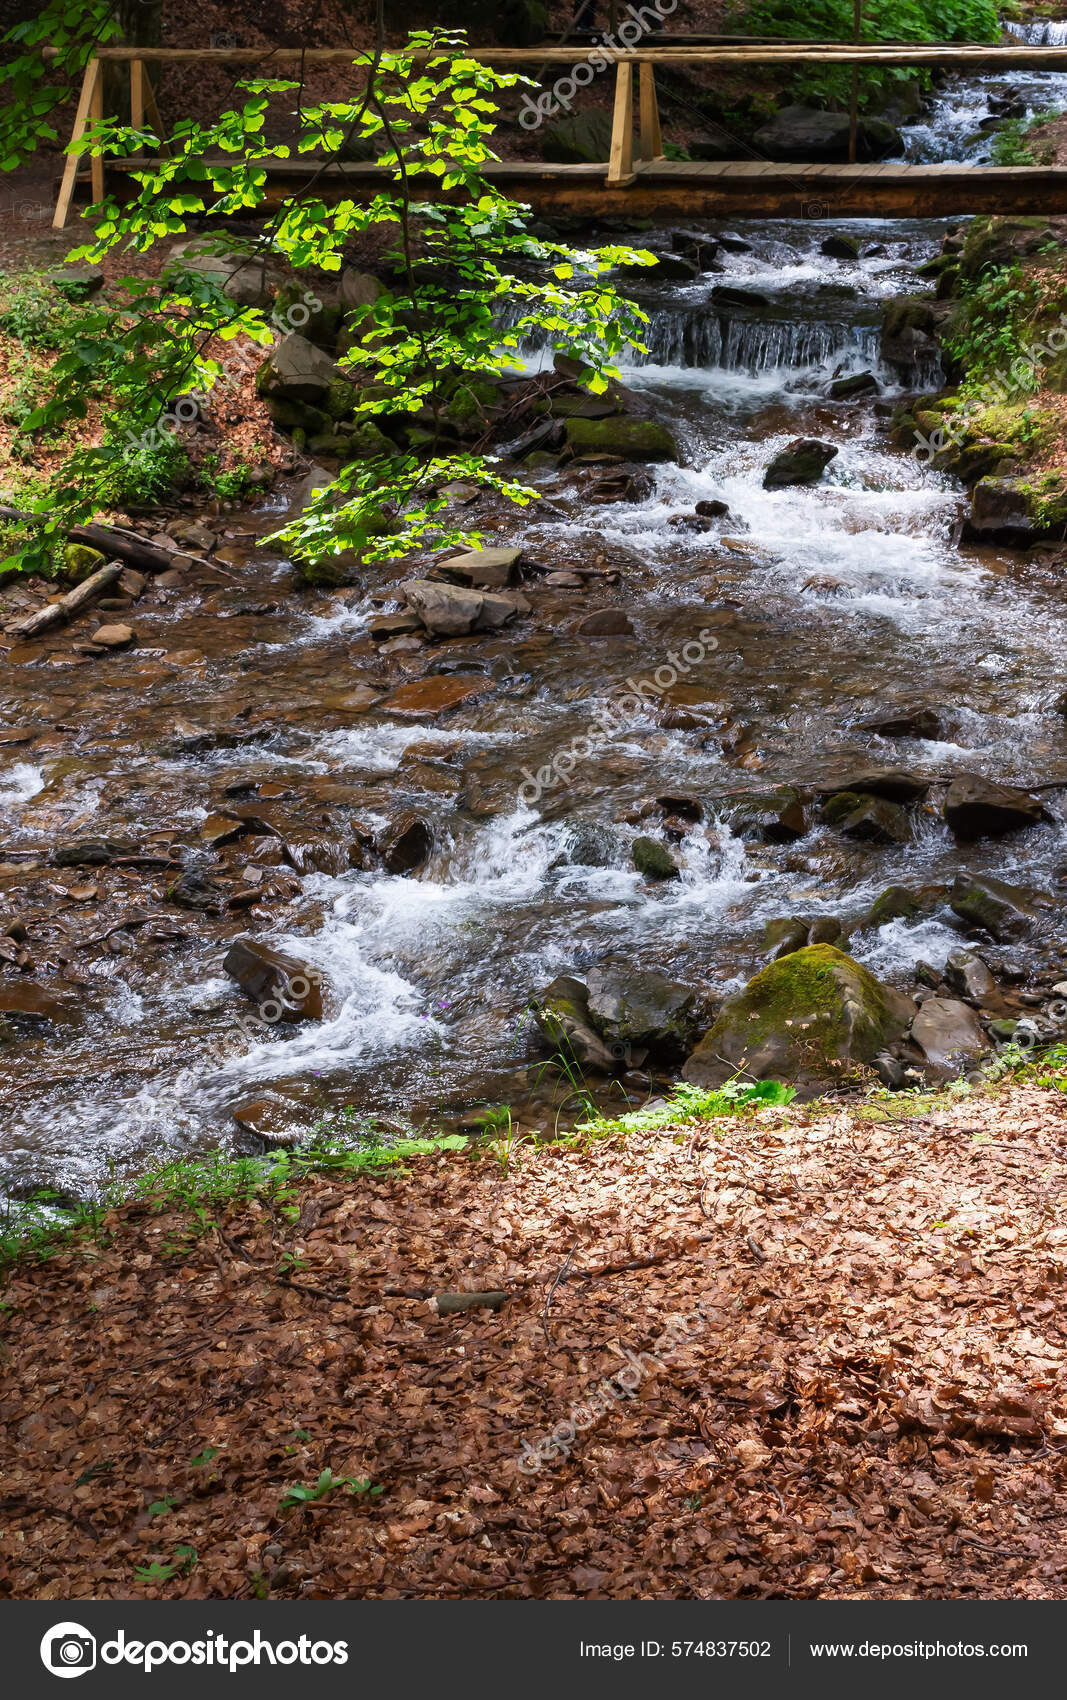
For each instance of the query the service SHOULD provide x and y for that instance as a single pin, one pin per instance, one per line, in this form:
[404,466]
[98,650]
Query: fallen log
[58,613]
[129,546]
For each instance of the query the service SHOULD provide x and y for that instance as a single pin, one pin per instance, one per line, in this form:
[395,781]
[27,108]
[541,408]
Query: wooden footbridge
[637,179]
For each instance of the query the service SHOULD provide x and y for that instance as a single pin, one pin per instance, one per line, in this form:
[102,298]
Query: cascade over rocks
[812,1017]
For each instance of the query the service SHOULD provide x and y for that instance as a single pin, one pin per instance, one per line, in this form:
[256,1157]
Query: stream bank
[341,772]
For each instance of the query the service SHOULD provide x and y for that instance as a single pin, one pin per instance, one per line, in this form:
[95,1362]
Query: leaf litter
[873,1405]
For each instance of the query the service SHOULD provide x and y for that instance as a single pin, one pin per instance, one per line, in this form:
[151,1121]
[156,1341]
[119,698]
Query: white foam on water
[20,783]
[891,952]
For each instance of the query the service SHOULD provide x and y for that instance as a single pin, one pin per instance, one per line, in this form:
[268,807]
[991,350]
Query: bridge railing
[625,158]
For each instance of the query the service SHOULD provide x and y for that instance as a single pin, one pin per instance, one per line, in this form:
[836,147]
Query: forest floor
[815,1352]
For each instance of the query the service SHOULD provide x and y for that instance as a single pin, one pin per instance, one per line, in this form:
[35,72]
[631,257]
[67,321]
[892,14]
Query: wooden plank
[620,164]
[651,139]
[81,117]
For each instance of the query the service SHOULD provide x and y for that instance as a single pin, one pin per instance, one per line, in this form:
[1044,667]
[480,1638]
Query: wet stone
[291,988]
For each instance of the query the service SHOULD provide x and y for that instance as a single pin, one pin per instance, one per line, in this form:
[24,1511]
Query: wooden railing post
[650,142]
[89,98]
[137,95]
[620,165]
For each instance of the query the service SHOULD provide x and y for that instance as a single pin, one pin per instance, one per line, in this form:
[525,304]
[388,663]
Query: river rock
[448,610]
[406,844]
[768,817]
[23,997]
[859,384]
[484,569]
[801,462]
[297,371]
[604,622]
[813,1017]
[314,853]
[619,434]
[425,699]
[1004,911]
[841,247]
[1017,511]
[91,852]
[968,975]
[269,976]
[631,1006]
[589,845]
[562,1014]
[949,1035]
[785,935]
[814,137]
[712,509]
[872,820]
[113,637]
[653,860]
[193,890]
[898,903]
[891,782]
[917,721]
[980,808]
[728,295]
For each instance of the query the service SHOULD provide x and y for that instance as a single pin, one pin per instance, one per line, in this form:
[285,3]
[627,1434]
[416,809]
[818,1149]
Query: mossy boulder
[991,243]
[1018,511]
[653,860]
[78,561]
[814,1017]
[562,1014]
[618,434]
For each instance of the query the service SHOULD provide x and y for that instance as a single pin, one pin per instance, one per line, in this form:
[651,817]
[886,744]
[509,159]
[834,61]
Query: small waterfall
[753,345]
[1042,32]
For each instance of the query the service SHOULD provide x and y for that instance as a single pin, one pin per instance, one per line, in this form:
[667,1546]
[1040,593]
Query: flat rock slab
[114,637]
[424,699]
[24,998]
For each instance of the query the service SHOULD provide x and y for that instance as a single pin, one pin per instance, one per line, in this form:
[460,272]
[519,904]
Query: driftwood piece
[129,546]
[58,613]
[446,1302]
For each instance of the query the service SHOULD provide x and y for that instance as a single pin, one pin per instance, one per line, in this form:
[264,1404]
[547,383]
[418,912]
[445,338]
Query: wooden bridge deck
[670,190]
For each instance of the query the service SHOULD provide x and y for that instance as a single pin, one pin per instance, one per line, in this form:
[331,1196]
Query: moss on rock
[633,439]
[814,1016]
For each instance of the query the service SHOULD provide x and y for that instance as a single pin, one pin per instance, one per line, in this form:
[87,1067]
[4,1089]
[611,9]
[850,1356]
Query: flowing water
[819,607]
